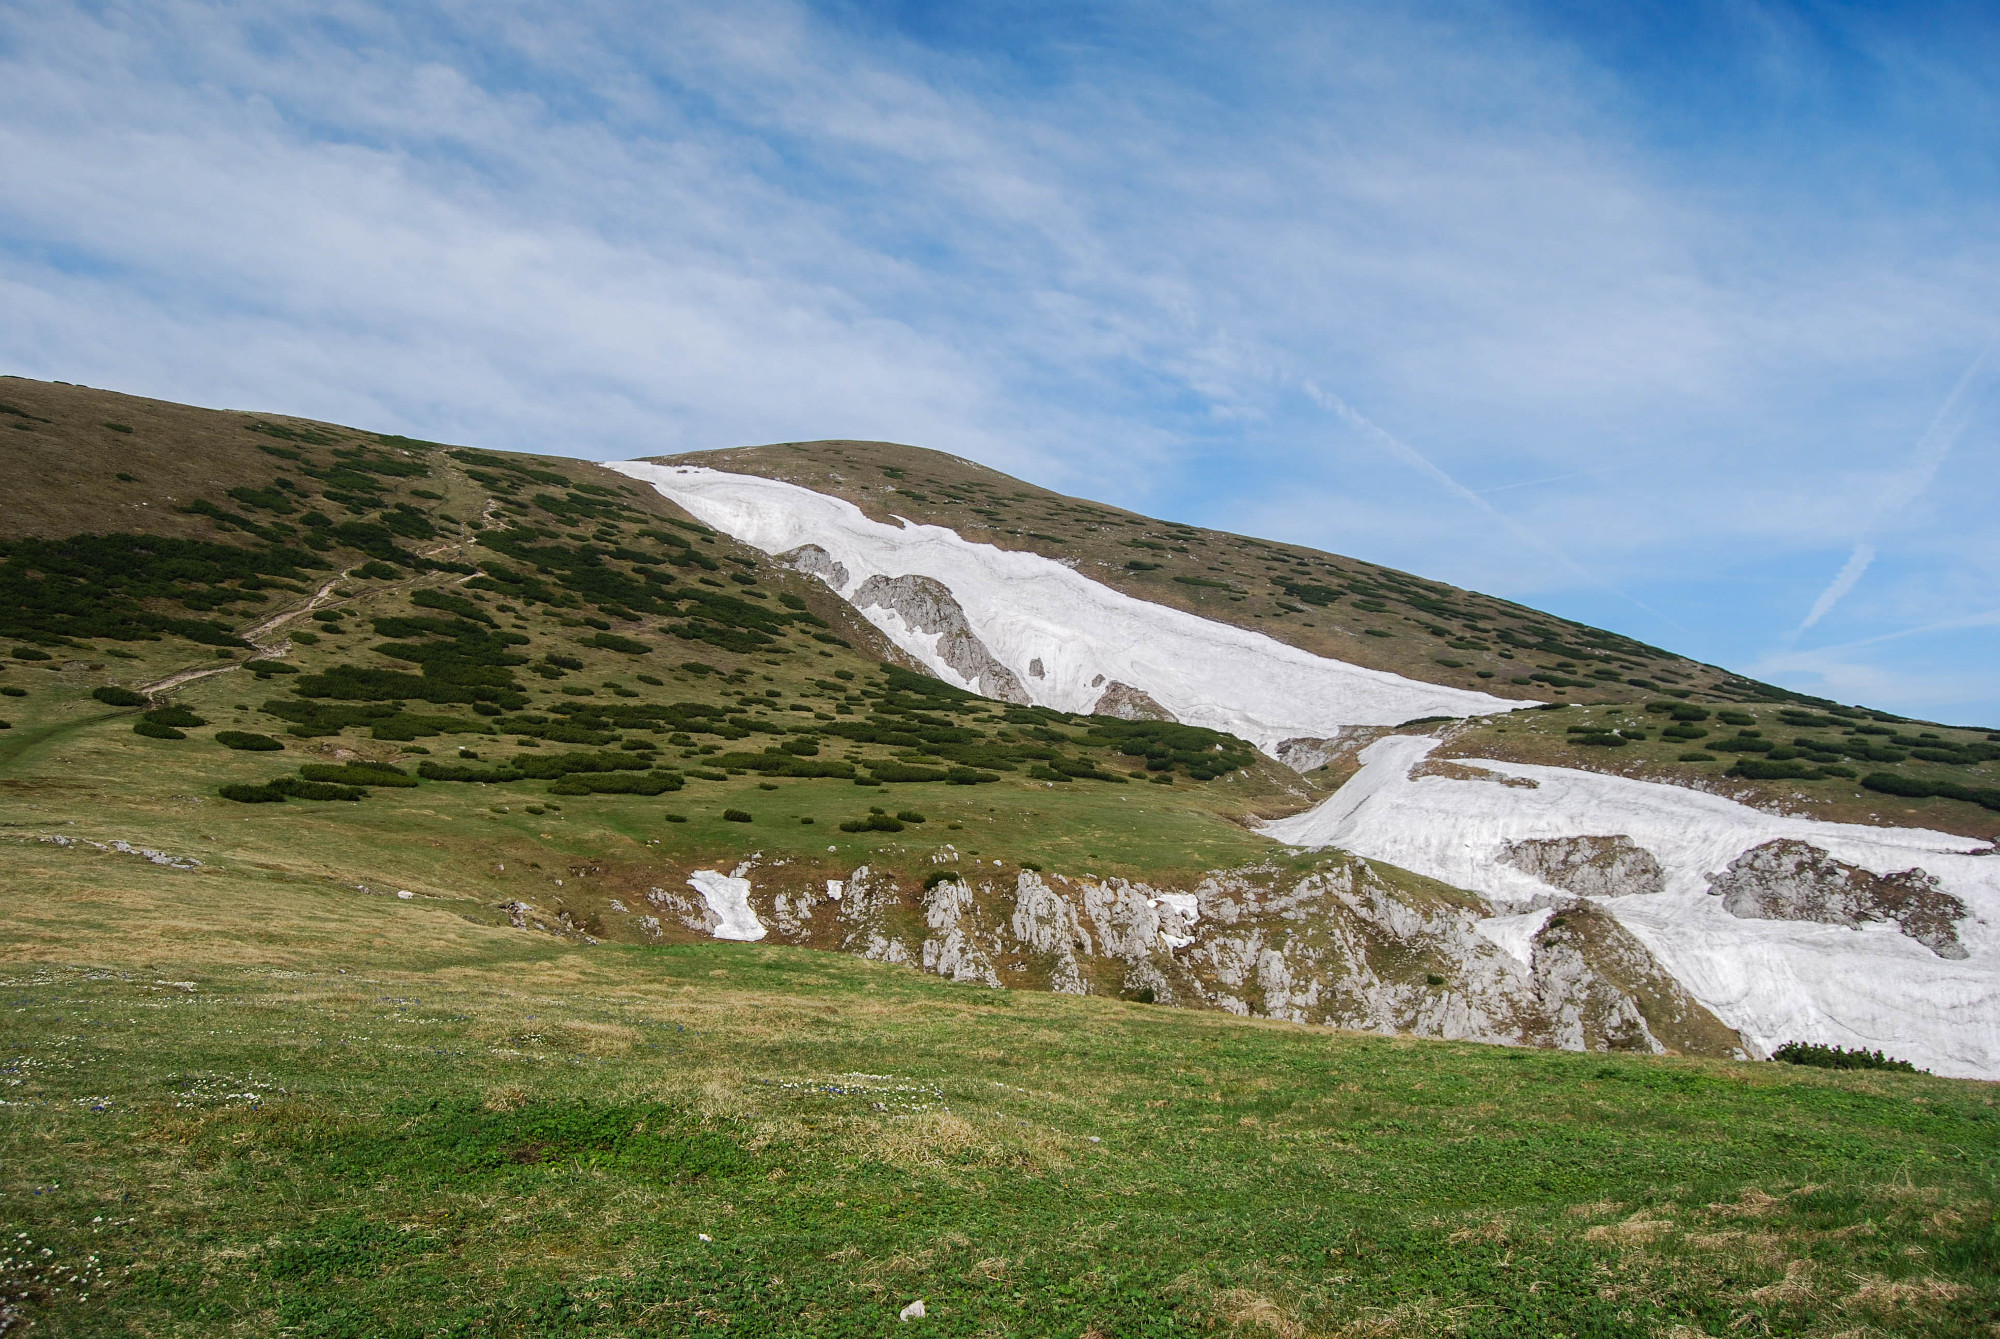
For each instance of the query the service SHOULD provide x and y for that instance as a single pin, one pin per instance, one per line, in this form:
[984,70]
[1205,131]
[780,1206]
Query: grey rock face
[1306,754]
[1603,990]
[814,561]
[1588,866]
[1787,880]
[929,606]
[1129,704]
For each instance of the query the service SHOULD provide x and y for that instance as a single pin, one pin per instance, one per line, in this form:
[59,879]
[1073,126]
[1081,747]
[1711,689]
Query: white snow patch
[835,888]
[1026,608]
[1516,934]
[729,899]
[1773,981]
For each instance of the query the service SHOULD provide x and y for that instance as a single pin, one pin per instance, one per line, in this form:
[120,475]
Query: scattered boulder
[1588,866]
[1789,880]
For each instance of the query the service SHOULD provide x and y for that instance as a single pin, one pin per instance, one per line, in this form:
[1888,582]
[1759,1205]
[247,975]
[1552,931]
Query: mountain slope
[1870,935]
[567,704]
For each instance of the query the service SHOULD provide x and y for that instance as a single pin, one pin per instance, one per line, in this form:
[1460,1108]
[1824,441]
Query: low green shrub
[114,696]
[910,816]
[736,816]
[675,818]
[359,774]
[1834,1057]
[872,823]
[1909,787]
[175,716]
[1696,757]
[31,653]
[11,691]
[153,730]
[1766,769]
[251,794]
[246,741]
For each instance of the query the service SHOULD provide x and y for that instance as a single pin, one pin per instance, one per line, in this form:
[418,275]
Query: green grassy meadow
[243,1101]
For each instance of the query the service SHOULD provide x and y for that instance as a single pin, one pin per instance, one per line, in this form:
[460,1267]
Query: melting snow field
[1028,608]
[1773,981]
[729,899]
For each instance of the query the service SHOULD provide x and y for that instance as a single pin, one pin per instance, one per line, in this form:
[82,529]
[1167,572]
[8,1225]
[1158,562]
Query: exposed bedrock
[1788,880]
[814,561]
[1129,704]
[1603,990]
[1346,944]
[1588,866]
[928,606]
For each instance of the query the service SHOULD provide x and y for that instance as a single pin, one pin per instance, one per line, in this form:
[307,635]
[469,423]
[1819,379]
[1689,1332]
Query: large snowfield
[1027,608]
[1774,981]
[1066,637]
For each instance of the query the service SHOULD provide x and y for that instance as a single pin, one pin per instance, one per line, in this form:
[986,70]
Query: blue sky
[1681,319]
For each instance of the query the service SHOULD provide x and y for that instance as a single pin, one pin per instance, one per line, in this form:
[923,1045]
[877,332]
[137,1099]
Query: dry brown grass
[1792,1290]
[1243,1309]
[1637,1230]
[1880,1294]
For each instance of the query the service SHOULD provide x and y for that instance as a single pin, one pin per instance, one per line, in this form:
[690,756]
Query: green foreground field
[247,1103]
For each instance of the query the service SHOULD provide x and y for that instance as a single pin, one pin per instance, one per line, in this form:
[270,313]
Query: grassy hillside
[242,1100]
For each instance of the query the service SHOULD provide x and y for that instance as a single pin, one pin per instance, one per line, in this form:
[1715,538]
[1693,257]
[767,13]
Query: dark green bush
[736,816]
[872,823]
[675,818]
[374,570]
[1890,783]
[174,715]
[358,774]
[264,669]
[11,691]
[1696,757]
[31,653]
[114,696]
[1833,1057]
[243,739]
[910,816]
[154,731]
[252,794]
[624,645]
[938,876]
[1765,769]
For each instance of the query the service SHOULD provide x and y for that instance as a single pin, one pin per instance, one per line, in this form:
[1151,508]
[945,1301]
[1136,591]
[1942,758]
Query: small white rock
[405,894]
[704,1236]
[914,1311]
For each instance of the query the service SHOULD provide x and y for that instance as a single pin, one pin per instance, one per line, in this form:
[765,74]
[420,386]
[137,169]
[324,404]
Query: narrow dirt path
[258,634]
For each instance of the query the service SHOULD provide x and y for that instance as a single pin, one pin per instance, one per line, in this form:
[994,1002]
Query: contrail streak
[1929,456]
[1409,455]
